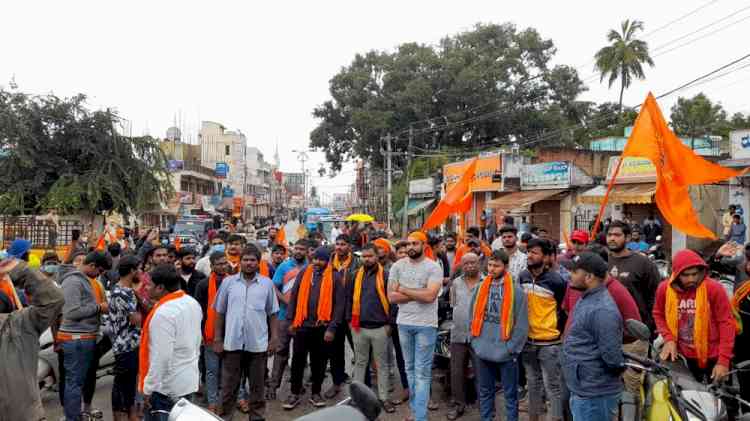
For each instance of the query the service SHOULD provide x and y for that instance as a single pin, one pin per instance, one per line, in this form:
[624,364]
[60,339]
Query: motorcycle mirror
[743,365]
[364,399]
[638,330]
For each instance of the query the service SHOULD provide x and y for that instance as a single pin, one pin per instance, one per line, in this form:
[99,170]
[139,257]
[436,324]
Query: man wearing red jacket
[693,315]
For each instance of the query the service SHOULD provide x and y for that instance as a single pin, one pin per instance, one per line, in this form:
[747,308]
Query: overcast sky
[261,67]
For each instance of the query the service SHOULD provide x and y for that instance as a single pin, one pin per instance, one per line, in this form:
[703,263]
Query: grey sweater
[489,345]
[80,313]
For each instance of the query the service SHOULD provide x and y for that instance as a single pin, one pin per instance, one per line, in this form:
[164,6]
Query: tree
[698,117]
[57,154]
[495,76]
[624,57]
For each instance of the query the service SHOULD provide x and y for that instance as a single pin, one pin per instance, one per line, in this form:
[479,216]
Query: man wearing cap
[19,345]
[508,241]
[414,284]
[316,309]
[190,277]
[85,302]
[592,359]
[18,269]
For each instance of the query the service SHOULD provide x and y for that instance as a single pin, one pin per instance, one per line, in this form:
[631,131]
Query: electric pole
[302,157]
[388,180]
[405,215]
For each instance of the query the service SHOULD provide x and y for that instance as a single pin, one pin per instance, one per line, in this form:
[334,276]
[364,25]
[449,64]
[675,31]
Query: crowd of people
[547,326]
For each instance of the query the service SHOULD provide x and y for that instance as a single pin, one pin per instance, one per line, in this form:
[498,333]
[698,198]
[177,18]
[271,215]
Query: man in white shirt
[170,345]
[508,242]
[335,232]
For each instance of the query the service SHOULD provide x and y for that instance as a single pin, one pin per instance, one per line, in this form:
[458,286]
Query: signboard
[237,205]
[487,166]
[633,170]
[227,192]
[174,165]
[546,175]
[222,170]
[422,187]
[740,142]
[186,197]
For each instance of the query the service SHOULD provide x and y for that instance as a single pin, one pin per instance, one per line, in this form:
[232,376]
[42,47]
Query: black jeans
[89,387]
[125,381]
[309,341]
[236,367]
[338,357]
[160,407]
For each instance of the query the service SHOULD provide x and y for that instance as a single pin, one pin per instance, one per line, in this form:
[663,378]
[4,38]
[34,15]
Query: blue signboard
[174,165]
[222,170]
[546,175]
[227,192]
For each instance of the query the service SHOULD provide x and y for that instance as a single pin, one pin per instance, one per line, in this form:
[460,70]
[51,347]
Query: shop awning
[521,201]
[641,193]
[415,206]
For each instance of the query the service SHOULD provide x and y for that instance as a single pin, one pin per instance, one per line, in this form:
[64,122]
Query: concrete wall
[594,163]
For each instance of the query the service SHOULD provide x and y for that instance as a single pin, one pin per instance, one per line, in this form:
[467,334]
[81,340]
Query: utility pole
[405,214]
[389,180]
[302,157]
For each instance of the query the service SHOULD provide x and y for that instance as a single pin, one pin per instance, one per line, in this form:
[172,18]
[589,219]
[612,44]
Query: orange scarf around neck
[325,301]
[263,268]
[702,318]
[339,265]
[357,297]
[234,262]
[208,330]
[6,286]
[98,290]
[143,355]
[506,314]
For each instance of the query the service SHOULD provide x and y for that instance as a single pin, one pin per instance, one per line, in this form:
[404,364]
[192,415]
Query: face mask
[217,247]
[50,268]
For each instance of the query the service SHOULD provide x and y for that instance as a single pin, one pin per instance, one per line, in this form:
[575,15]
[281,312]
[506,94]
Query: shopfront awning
[415,206]
[520,202]
[641,193]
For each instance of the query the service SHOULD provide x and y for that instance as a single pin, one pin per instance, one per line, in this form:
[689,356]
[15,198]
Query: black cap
[474,242]
[591,263]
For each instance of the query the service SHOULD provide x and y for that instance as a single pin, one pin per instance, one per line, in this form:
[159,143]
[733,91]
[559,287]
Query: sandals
[94,414]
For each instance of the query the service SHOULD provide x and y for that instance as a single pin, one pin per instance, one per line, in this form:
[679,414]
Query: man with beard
[593,344]
[345,266]
[278,253]
[634,270]
[368,312]
[190,277]
[414,284]
[450,248]
[545,290]
[273,232]
[283,280]
[508,241]
[693,315]
[205,294]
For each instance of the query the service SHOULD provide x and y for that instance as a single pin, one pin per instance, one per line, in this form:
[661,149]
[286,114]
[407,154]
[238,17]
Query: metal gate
[42,234]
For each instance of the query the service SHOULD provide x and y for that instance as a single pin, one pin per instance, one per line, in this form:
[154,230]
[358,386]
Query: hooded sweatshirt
[80,314]
[721,326]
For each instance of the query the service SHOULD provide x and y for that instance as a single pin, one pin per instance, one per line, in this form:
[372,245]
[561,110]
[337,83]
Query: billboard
[487,166]
[546,175]
[633,170]
[174,165]
[222,170]
[740,143]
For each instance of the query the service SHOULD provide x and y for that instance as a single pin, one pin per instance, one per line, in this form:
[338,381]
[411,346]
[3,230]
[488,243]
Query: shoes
[433,405]
[456,412]
[291,402]
[332,392]
[244,406]
[317,401]
[215,409]
[387,407]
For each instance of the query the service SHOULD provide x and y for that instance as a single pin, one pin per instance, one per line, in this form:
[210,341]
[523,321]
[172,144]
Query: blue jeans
[77,357]
[491,372]
[599,408]
[160,407]
[213,375]
[418,346]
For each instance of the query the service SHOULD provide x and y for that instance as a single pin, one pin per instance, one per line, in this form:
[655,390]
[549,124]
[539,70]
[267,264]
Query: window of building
[226,150]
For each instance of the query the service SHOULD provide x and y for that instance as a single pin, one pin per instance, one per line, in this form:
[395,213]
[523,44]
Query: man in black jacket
[190,277]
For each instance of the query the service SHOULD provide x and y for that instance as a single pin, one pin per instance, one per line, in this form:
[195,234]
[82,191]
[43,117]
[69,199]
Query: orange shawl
[702,318]
[234,262]
[506,315]
[143,355]
[263,268]
[325,301]
[208,330]
[98,290]
[339,265]
[6,286]
[739,295]
[356,298]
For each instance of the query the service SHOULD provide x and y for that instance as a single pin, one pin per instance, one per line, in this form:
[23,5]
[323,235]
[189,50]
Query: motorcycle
[361,405]
[669,391]
[48,369]
[724,274]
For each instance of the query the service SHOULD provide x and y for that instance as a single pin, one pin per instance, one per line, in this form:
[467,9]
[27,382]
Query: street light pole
[303,157]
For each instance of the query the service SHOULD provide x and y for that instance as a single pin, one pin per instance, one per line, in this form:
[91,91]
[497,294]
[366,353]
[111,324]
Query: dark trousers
[124,383]
[461,354]
[309,341]
[89,385]
[236,366]
[338,356]
[281,358]
[489,373]
[399,357]
[160,407]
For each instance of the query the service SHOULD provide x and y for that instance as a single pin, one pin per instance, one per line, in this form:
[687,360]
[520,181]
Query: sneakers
[387,407]
[291,402]
[317,401]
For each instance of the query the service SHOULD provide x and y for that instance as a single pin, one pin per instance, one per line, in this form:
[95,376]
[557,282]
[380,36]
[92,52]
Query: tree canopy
[57,154]
[496,76]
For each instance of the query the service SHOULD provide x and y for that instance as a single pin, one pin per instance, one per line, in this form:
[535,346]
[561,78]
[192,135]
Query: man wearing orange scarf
[170,345]
[316,309]
[499,329]
[205,294]
[693,314]
[234,249]
[368,312]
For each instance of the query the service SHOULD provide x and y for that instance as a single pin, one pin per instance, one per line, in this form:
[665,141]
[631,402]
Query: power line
[692,12]
[702,37]
[680,38]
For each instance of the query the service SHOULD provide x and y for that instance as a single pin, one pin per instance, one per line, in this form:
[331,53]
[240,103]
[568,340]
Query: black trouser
[89,386]
[309,341]
[236,367]
[338,357]
[125,381]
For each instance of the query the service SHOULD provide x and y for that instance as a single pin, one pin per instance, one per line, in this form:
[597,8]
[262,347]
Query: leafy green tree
[497,77]
[58,154]
[698,117]
[624,57]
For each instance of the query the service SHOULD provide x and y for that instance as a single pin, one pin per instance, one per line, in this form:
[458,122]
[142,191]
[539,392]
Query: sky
[262,67]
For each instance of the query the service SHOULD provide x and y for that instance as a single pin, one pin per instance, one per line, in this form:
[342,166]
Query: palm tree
[623,59]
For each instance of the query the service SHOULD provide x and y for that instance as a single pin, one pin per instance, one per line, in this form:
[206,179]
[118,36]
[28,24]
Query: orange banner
[487,166]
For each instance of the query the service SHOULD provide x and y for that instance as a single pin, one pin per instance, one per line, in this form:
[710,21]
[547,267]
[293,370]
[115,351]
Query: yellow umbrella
[360,217]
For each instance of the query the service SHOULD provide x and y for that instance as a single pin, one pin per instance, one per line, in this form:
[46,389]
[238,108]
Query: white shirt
[498,244]
[174,345]
[204,265]
[335,232]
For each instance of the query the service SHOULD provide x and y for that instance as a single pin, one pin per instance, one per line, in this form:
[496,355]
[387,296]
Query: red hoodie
[721,327]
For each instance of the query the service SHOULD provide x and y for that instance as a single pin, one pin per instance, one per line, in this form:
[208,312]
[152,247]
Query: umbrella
[360,217]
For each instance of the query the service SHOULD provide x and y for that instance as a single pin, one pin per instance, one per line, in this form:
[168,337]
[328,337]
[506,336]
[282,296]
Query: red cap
[580,236]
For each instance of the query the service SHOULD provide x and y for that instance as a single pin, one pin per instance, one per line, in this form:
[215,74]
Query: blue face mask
[217,247]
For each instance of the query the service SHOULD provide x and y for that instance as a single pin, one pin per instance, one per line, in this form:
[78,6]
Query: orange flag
[101,245]
[452,199]
[177,243]
[281,235]
[677,168]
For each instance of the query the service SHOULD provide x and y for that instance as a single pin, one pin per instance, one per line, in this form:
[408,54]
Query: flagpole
[606,198]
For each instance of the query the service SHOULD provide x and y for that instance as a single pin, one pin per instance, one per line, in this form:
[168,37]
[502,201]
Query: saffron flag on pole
[677,168]
[452,199]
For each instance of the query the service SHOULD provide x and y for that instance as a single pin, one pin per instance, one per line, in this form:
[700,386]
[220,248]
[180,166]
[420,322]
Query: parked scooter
[48,370]
[361,405]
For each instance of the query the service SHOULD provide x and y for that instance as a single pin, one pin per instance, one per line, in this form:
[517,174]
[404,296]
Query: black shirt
[641,277]
[339,300]
[372,315]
